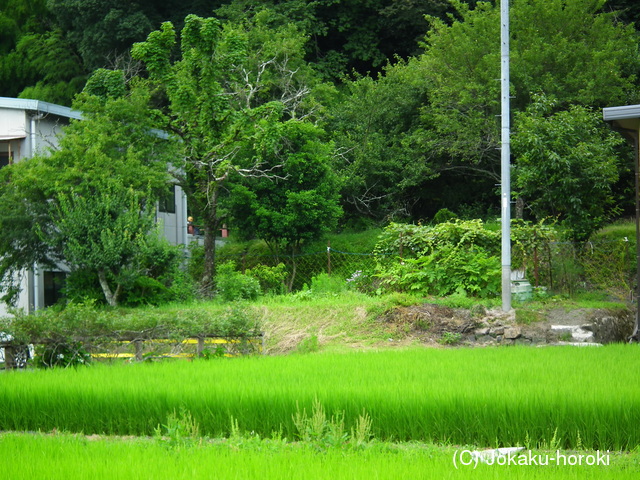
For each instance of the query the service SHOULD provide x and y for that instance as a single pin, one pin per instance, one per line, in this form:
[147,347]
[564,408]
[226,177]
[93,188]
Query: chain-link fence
[562,267]
[302,268]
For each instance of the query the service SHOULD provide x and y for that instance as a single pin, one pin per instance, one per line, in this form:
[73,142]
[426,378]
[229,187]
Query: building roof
[39,106]
[625,117]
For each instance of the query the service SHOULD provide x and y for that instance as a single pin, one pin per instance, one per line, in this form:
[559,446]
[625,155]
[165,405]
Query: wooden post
[329,257]
[9,357]
[200,346]
[138,345]
[536,273]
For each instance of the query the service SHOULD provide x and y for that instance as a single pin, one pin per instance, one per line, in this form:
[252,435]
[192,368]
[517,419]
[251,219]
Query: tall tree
[564,49]
[567,165]
[27,43]
[444,119]
[351,35]
[90,202]
[296,208]
[227,93]
[372,123]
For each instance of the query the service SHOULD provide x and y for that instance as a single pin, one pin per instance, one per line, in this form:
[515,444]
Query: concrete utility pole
[505,157]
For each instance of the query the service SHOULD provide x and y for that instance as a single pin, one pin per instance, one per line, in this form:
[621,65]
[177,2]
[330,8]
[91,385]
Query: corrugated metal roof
[39,106]
[621,113]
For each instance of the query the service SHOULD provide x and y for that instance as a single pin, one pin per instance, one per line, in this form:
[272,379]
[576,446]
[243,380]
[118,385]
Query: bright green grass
[67,456]
[587,397]
[616,231]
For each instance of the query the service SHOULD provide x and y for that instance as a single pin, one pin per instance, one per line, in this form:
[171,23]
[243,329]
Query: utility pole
[505,156]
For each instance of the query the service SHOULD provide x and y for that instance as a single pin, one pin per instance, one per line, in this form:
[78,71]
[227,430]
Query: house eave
[39,107]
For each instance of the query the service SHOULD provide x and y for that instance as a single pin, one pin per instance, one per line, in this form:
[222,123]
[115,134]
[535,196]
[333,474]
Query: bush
[444,215]
[63,354]
[446,271]
[324,283]
[418,240]
[65,336]
[157,277]
[609,265]
[271,279]
[233,285]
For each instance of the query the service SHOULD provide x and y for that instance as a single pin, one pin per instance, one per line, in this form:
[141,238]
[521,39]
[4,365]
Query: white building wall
[174,225]
[23,299]
[13,122]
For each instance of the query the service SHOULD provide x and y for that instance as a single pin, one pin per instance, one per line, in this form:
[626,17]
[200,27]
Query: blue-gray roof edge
[40,107]
[621,113]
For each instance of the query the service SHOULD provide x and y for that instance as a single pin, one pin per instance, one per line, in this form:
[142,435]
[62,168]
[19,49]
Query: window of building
[54,282]
[167,202]
[9,147]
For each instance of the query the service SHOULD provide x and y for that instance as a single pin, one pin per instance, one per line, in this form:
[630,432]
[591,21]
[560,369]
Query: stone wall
[583,326]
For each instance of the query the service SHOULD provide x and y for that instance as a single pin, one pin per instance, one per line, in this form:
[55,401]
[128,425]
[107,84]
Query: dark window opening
[5,159]
[54,282]
[167,202]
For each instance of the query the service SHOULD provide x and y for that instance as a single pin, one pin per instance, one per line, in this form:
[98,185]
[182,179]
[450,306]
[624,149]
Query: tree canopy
[228,93]
[426,132]
[384,109]
[91,202]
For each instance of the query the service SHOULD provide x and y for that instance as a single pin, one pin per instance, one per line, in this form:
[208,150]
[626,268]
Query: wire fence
[562,267]
[302,268]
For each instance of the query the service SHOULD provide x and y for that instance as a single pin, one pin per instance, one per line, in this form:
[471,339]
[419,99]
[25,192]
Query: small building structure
[626,120]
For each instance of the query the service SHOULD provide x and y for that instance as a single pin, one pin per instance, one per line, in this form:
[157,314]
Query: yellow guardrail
[200,344]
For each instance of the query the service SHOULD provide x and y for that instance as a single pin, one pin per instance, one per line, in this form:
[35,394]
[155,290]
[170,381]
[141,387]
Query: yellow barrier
[231,348]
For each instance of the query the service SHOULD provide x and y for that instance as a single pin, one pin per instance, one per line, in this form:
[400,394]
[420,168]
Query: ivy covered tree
[228,94]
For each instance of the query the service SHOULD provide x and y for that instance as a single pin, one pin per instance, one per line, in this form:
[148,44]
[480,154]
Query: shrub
[324,283]
[157,277]
[233,285]
[446,271]
[444,215]
[62,354]
[418,240]
[271,279]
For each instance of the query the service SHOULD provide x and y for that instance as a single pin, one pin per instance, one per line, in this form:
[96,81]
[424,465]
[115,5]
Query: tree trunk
[111,297]
[212,222]
[519,208]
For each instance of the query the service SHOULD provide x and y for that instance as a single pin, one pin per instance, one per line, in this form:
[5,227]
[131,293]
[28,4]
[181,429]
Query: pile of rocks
[584,327]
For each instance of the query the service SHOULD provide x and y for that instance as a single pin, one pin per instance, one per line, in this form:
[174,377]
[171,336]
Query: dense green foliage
[277,142]
[567,166]
[87,202]
[238,99]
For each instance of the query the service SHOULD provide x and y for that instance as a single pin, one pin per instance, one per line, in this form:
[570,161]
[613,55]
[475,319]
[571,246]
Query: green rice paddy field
[64,456]
[424,404]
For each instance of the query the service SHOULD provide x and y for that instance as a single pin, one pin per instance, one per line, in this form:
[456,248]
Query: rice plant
[29,456]
[493,397]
